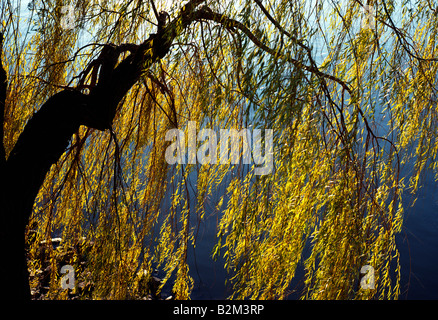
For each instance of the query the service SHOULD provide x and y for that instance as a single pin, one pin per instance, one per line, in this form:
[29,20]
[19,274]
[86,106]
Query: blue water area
[417,244]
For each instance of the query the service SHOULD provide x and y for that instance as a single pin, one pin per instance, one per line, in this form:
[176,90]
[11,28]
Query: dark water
[417,243]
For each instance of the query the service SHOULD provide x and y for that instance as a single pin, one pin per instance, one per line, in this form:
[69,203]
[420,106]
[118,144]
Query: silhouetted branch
[48,133]
[207,14]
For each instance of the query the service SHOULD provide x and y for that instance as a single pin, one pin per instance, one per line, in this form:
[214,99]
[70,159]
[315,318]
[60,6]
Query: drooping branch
[207,14]
[49,131]
[279,27]
[399,33]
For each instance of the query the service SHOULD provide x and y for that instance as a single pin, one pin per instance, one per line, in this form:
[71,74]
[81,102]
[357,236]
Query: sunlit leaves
[333,201]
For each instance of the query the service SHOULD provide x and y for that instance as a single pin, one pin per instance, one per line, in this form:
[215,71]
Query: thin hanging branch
[207,14]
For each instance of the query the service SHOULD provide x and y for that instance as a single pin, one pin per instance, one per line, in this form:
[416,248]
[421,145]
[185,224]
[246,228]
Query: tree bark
[47,135]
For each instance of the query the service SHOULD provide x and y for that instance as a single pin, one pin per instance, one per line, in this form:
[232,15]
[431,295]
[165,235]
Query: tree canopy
[348,89]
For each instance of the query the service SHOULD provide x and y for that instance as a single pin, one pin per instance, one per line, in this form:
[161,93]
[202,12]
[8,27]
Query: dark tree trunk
[42,142]
[48,133]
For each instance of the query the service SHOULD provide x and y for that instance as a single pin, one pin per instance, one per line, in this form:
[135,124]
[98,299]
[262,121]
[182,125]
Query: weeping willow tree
[89,91]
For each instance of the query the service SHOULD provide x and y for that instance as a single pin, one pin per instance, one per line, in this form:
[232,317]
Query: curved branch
[208,14]
[279,27]
[400,36]
[48,133]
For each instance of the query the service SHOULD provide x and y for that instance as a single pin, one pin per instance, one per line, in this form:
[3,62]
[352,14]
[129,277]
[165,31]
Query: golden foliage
[333,201]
